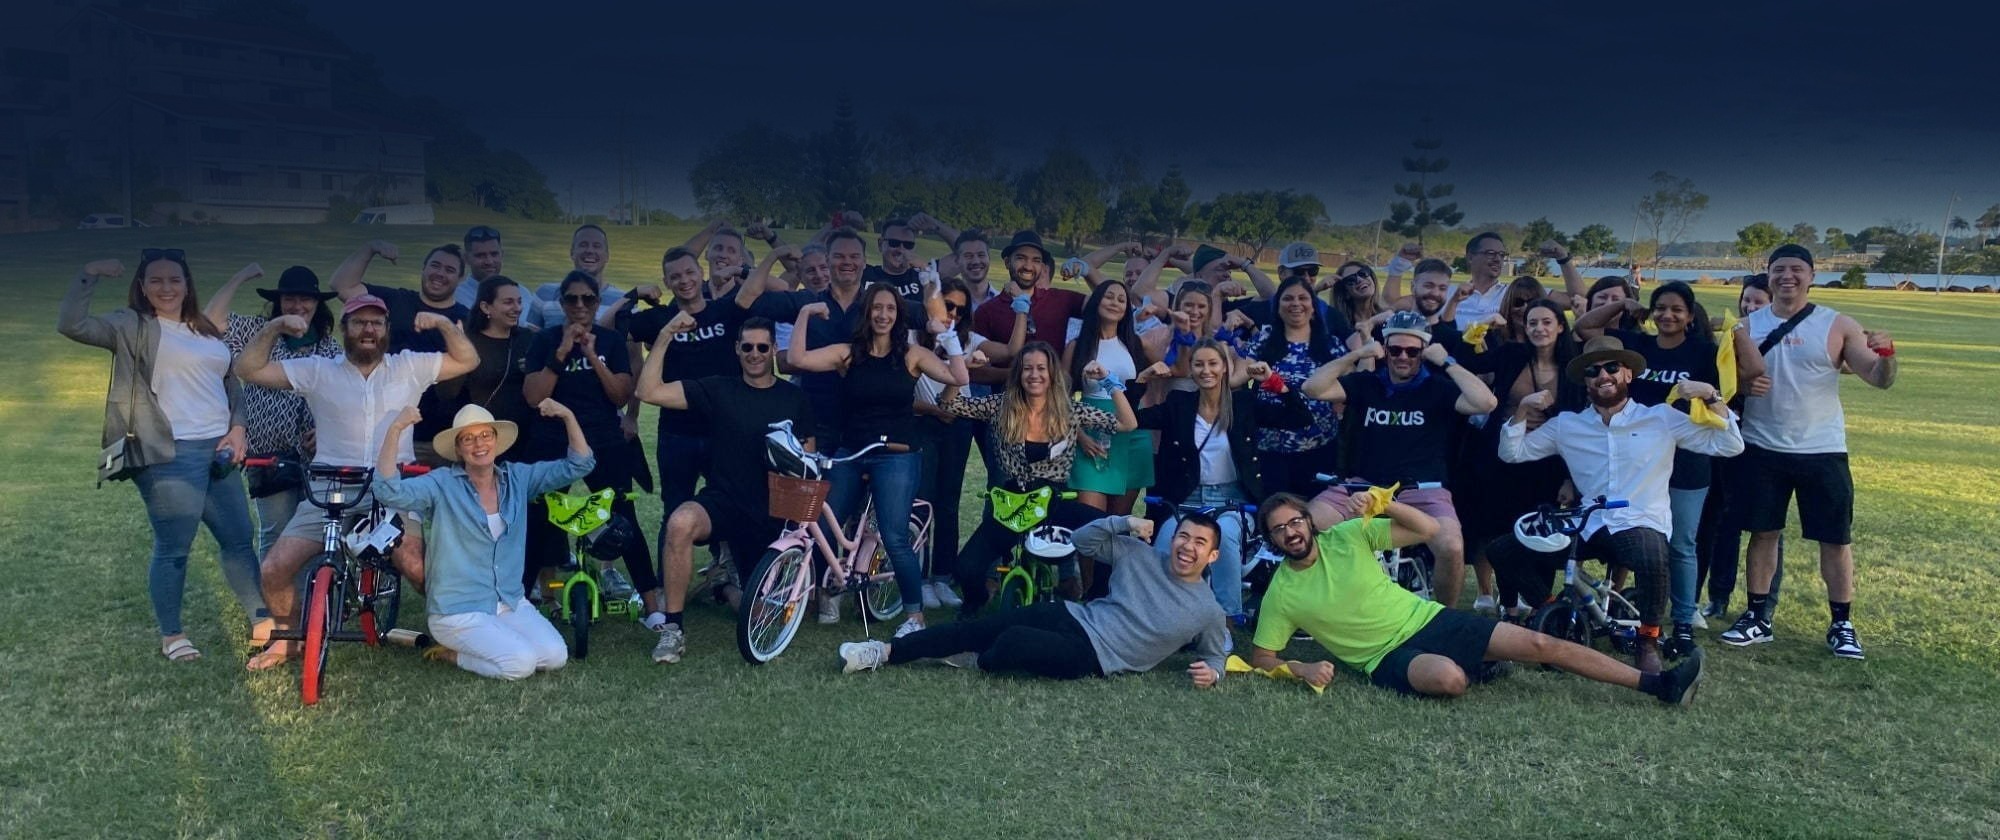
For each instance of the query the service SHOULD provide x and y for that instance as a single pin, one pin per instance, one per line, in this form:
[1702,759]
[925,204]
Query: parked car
[101,221]
[404,214]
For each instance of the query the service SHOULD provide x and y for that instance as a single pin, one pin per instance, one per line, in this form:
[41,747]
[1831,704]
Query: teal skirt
[1126,467]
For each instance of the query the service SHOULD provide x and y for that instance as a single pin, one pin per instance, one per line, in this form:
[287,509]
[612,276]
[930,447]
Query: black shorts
[1763,483]
[747,532]
[1459,636]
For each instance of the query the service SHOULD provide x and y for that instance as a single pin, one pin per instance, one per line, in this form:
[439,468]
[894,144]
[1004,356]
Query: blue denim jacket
[466,570]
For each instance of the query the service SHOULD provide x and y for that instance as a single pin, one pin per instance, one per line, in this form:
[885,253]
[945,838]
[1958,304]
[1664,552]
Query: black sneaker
[1677,685]
[1682,642]
[1492,670]
[1841,640]
[1715,609]
[1749,630]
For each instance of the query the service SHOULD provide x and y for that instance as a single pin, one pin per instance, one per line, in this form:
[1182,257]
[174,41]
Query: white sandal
[179,650]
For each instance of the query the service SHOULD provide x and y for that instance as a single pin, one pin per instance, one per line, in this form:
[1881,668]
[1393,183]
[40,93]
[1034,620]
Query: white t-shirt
[495,525]
[928,389]
[1480,306]
[1216,465]
[1118,364]
[351,413]
[188,376]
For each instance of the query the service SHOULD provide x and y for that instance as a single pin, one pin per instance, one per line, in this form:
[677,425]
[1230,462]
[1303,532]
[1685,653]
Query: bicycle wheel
[1562,620]
[883,599]
[382,596]
[1622,609]
[320,617]
[773,605]
[1016,590]
[579,603]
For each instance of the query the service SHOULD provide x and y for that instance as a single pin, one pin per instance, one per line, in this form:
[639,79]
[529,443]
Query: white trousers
[510,644]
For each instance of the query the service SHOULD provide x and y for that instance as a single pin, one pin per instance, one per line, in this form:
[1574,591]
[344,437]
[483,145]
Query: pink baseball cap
[364,302]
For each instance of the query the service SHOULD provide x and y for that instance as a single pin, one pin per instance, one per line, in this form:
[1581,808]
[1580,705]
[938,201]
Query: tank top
[876,396]
[1802,413]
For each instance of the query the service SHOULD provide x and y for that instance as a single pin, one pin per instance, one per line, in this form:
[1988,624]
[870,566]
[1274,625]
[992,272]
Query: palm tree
[1959,226]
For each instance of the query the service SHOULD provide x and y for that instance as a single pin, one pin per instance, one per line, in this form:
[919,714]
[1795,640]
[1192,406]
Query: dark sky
[1839,114]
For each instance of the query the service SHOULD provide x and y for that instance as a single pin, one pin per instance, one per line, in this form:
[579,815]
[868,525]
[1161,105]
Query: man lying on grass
[1332,587]
[1156,606]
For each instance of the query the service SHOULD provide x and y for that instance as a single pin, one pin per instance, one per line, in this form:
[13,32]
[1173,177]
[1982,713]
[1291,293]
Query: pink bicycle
[783,582]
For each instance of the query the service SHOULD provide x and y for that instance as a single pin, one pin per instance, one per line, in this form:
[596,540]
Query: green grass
[103,738]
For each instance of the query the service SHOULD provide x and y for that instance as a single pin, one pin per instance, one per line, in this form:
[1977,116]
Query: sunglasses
[151,254]
[749,347]
[578,300]
[905,244]
[481,234]
[1356,276]
[1308,270]
[1591,371]
[953,307]
[1405,352]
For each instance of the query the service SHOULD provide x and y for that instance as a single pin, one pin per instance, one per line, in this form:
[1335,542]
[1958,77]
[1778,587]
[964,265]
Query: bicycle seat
[1019,511]
[579,513]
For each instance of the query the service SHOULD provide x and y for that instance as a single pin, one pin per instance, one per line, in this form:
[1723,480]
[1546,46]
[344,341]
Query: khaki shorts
[309,523]
[1435,502]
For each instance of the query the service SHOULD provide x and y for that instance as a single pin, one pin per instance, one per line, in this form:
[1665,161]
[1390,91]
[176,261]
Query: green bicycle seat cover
[1019,512]
[580,513]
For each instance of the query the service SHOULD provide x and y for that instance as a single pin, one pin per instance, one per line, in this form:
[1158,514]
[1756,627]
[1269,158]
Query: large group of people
[1467,409]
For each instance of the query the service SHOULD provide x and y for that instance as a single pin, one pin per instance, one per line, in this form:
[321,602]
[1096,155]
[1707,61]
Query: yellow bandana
[1236,665]
[1476,336]
[1698,411]
[1725,357]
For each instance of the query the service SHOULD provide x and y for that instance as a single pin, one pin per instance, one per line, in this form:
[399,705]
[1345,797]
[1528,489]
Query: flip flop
[273,655]
[179,650]
[260,632]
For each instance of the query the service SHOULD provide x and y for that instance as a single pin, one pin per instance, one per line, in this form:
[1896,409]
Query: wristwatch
[1448,362]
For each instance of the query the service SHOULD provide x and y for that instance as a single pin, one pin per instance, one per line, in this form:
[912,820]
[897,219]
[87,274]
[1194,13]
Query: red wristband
[1886,352]
[1274,383]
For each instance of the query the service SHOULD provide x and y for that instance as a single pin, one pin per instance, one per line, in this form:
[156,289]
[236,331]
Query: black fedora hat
[297,280]
[1026,239]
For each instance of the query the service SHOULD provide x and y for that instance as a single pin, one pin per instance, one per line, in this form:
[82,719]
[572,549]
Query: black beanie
[1790,250]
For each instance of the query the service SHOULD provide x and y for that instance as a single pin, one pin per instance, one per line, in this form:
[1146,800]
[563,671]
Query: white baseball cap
[1298,254]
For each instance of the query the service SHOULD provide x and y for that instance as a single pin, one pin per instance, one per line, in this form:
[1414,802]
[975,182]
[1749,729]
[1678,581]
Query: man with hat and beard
[1031,273]
[477,507]
[353,400]
[276,422]
[1797,443]
[1617,449]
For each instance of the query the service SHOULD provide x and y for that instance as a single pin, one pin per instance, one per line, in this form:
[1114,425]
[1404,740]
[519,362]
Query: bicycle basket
[1019,512]
[797,499]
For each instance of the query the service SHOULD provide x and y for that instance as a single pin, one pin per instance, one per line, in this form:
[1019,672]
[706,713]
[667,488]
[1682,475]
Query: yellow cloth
[1236,665]
[1379,498]
[1476,336]
[1725,357]
[1698,411]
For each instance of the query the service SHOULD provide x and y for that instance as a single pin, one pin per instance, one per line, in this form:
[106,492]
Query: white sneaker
[945,596]
[829,609]
[1699,622]
[862,656]
[1485,605]
[931,601]
[910,625]
[672,644]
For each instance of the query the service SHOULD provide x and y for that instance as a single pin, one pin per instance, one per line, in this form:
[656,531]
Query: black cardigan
[1178,465]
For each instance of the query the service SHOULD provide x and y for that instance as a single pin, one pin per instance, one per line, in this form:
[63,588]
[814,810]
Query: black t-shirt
[496,382]
[404,304]
[1404,436]
[1664,368]
[739,416]
[707,350]
[836,328]
[907,283]
[578,388]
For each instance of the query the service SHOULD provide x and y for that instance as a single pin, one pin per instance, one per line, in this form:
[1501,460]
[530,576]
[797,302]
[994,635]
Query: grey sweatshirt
[1150,614]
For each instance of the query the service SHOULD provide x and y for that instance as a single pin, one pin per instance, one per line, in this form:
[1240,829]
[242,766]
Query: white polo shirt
[351,413]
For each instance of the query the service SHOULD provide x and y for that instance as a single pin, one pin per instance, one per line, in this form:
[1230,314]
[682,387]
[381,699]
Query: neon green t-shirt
[1344,600]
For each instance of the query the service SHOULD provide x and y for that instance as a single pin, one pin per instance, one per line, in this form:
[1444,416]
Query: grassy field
[103,738]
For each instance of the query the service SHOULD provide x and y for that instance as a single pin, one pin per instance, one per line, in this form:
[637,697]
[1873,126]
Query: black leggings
[1041,640]
[990,543]
[1531,574]
[547,544]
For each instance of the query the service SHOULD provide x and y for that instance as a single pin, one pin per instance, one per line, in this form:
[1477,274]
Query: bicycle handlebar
[1225,507]
[1358,486]
[334,472]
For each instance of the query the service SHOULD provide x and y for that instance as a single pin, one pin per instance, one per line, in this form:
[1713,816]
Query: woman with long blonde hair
[1036,424]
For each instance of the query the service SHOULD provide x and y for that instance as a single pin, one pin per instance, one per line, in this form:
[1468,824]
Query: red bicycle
[351,582]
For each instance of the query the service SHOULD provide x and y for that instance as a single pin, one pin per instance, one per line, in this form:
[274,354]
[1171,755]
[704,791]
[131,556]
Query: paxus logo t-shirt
[1401,436]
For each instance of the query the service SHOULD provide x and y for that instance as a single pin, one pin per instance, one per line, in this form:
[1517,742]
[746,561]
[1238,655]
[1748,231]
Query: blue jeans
[1682,570]
[273,512]
[180,497]
[1225,576]
[892,481]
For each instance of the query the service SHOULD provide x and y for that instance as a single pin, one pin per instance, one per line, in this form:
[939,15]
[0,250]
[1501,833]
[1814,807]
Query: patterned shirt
[274,421]
[1015,458]
[1295,368]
